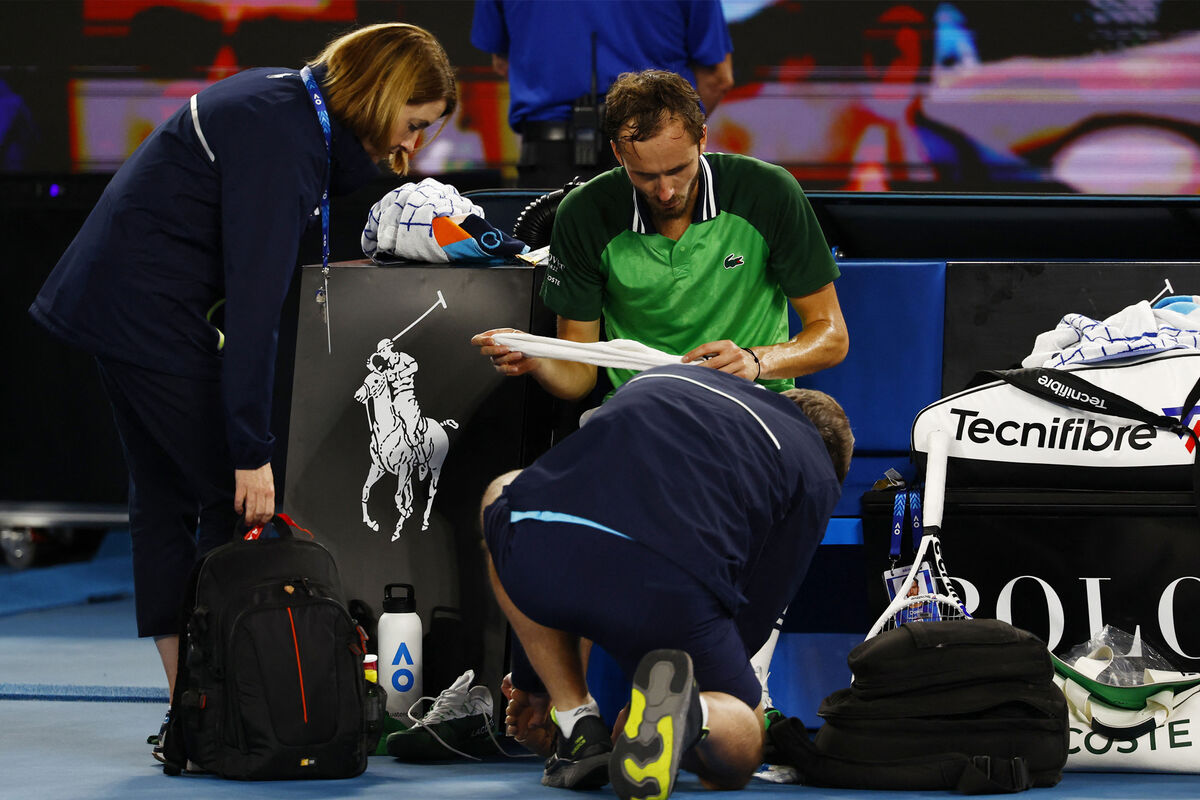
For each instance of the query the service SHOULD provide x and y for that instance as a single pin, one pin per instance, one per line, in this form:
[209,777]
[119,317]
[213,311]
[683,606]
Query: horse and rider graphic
[404,442]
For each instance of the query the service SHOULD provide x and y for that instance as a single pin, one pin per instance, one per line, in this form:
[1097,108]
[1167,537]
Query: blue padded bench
[895,313]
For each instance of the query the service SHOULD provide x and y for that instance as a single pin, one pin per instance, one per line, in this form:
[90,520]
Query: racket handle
[937,447]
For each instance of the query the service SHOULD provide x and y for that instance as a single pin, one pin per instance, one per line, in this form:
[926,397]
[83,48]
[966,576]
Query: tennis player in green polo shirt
[685,251]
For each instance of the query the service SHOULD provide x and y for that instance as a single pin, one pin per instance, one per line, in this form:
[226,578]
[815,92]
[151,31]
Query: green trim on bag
[1133,697]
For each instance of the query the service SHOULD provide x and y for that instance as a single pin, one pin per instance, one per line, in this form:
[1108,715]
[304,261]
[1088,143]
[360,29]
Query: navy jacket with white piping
[211,205]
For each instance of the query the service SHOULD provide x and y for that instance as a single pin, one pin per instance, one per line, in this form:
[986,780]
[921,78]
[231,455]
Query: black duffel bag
[962,704]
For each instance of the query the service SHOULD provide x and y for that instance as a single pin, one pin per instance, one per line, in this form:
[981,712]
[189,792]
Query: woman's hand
[254,494]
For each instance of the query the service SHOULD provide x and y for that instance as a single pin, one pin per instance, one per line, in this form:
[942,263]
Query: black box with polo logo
[1062,564]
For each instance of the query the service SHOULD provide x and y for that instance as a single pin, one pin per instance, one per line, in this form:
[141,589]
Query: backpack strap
[965,773]
[1069,389]
[175,751]
[991,775]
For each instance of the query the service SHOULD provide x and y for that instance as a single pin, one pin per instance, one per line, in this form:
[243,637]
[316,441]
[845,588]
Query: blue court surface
[79,693]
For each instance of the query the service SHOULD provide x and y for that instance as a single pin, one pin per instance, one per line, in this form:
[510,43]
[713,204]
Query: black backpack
[959,704]
[270,683]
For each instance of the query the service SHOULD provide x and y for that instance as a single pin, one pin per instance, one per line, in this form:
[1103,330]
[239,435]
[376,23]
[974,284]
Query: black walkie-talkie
[586,121]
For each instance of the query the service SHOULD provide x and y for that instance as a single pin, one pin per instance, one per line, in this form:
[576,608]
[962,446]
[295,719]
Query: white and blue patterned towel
[1172,323]
[401,223]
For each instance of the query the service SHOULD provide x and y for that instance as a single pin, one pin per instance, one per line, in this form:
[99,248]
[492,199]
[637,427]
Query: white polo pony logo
[403,440]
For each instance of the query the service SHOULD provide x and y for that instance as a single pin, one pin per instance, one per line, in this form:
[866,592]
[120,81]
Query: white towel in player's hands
[618,353]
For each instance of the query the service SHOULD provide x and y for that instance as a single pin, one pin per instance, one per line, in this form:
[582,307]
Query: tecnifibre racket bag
[270,683]
[1121,424]
[962,704]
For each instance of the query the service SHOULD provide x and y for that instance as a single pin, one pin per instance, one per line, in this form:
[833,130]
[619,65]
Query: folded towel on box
[431,222]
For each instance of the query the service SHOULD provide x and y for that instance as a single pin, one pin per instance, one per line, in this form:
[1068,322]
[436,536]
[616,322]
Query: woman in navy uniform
[211,207]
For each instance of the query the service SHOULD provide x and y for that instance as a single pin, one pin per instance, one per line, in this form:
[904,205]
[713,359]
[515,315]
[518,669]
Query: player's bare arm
[567,380]
[822,343]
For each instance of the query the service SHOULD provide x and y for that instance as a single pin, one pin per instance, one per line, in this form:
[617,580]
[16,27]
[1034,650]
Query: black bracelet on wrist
[757,363]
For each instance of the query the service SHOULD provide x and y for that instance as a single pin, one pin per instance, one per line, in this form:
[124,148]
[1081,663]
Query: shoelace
[453,703]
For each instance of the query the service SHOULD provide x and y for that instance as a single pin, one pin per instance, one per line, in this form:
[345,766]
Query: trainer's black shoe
[159,740]
[580,762]
[665,720]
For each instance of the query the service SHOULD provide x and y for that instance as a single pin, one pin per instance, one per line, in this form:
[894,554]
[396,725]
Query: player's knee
[495,487]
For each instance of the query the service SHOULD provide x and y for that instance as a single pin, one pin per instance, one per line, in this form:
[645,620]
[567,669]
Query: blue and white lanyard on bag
[910,499]
[318,101]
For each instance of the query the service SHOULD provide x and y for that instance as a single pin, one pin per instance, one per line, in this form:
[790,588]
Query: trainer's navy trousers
[625,598]
[181,482]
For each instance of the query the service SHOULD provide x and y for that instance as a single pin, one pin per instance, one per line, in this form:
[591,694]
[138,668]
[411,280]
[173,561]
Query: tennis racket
[926,594]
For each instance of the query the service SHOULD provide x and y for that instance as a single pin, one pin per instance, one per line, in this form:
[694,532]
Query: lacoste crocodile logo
[733,260]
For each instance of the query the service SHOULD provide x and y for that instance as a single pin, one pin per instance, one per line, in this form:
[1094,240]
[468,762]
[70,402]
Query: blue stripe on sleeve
[555,516]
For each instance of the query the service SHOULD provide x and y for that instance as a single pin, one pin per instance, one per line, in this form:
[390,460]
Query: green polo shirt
[754,242]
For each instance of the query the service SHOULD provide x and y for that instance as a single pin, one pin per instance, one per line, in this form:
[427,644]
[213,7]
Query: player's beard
[682,207]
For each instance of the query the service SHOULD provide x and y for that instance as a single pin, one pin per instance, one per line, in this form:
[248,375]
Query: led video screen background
[1096,96]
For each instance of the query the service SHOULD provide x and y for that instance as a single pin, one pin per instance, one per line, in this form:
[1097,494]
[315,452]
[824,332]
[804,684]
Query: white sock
[566,718]
[761,661]
[703,713]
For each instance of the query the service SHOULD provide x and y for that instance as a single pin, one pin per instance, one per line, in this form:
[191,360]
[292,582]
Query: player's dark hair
[831,422]
[639,104]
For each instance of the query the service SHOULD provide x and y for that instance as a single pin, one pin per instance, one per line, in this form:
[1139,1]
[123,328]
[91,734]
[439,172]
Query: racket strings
[926,595]
[925,608]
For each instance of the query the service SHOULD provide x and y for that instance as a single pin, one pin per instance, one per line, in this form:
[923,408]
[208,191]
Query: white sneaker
[459,699]
[777,773]
[459,721]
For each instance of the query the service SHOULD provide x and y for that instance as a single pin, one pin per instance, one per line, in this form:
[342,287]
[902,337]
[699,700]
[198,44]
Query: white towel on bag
[1134,330]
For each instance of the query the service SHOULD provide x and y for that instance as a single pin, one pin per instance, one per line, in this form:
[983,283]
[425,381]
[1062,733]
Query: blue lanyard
[911,499]
[914,514]
[318,101]
[898,506]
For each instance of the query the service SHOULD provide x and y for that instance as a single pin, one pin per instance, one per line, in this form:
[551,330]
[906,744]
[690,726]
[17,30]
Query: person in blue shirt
[671,529]
[210,208]
[545,50]
[18,133]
